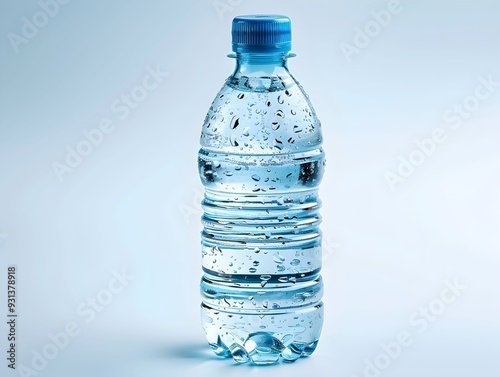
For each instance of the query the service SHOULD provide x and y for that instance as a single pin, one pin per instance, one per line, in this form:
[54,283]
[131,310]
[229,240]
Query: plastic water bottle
[261,162]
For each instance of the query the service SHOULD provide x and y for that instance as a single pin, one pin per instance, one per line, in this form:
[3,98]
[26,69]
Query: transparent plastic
[261,162]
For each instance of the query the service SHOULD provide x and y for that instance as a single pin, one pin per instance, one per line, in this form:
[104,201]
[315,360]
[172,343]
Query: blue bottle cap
[262,33]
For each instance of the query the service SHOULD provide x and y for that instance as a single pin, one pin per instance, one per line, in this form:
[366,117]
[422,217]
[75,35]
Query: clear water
[261,163]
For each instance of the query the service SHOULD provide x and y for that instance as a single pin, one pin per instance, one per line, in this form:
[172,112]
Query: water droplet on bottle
[295,262]
[256,263]
[233,141]
[278,258]
[281,268]
[241,96]
[256,178]
[288,93]
[246,131]
[280,100]
[280,113]
[256,250]
[234,122]
[278,144]
[275,125]
[252,270]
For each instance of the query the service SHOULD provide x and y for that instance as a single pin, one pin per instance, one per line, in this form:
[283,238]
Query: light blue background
[134,201]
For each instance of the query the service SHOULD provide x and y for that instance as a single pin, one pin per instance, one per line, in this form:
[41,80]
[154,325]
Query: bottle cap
[262,33]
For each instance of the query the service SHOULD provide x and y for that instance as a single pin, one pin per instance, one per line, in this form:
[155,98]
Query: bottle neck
[254,70]
[253,58]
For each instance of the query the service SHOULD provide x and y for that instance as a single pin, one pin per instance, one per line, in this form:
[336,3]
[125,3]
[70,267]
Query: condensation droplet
[295,262]
[241,95]
[280,113]
[246,131]
[233,141]
[256,178]
[278,144]
[278,258]
[235,122]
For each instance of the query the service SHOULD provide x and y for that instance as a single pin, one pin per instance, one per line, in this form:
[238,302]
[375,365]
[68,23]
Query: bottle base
[244,338]
[261,353]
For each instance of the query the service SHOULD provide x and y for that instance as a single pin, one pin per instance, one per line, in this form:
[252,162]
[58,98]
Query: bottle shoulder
[246,118]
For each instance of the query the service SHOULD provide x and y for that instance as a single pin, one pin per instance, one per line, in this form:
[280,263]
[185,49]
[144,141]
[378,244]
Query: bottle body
[261,162]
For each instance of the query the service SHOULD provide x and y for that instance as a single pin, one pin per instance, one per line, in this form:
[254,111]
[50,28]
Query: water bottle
[261,162]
